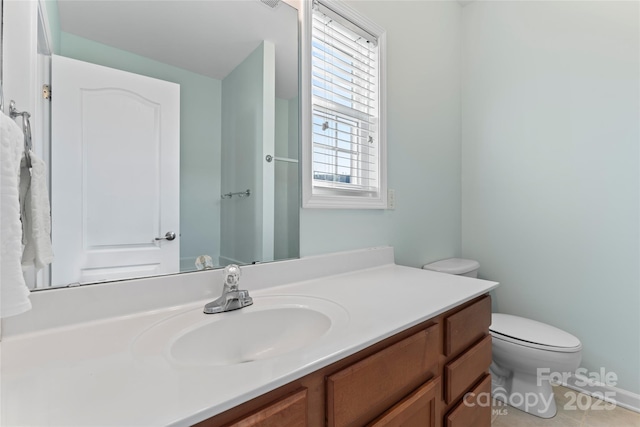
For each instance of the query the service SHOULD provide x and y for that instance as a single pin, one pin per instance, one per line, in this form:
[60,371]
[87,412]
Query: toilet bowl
[525,353]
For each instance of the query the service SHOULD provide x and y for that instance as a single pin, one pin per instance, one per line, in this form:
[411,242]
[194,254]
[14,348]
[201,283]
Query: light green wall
[282,128]
[423,103]
[200,111]
[53,20]
[248,97]
[287,210]
[547,194]
[550,168]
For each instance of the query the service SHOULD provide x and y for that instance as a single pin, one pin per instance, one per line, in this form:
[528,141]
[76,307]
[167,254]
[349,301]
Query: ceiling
[208,37]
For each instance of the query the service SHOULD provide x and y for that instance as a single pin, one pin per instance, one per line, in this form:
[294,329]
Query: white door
[115,160]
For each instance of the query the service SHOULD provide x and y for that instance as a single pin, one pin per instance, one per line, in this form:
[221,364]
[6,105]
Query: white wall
[19,55]
[423,81]
[550,183]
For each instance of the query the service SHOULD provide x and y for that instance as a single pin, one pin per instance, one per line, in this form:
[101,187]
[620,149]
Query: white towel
[36,214]
[14,294]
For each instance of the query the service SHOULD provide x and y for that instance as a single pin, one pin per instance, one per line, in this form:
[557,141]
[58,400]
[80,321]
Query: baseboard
[620,397]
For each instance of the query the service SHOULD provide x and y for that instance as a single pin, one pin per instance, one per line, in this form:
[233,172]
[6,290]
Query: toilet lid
[532,333]
[453,266]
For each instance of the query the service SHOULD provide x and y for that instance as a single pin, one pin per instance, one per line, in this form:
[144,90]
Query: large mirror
[174,135]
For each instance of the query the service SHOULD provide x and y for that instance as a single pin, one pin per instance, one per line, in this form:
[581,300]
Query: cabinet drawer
[462,372]
[291,411]
[475,408]
[467,326]
[419,409]
[359,393]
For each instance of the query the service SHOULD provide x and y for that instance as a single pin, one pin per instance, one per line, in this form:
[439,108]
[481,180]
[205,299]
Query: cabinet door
[467,326]
[290,411]
[475,409]
[419,409]
[361,392]
[466,369]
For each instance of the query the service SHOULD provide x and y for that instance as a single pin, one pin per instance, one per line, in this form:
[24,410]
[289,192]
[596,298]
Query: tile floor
[593,413]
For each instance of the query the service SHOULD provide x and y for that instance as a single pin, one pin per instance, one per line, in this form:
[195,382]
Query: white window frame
[329,197]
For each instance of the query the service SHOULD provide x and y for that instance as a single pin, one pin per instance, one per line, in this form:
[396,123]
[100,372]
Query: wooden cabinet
[467,326]
[475,409]
[462,372]
[364,390]
[428,375]
[419,409]
[467,349]
[289,411]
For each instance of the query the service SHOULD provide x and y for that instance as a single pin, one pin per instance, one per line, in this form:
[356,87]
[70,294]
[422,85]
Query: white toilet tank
[459,266]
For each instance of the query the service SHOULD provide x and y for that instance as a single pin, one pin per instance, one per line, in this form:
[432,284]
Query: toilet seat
[533,334]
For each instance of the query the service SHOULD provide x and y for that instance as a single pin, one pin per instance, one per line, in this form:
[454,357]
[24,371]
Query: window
[345,146]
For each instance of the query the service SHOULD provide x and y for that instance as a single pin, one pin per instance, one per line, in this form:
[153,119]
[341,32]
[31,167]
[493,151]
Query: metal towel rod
[26,129]
[240,194]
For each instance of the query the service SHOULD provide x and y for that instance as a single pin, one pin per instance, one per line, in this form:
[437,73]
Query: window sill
[333,201]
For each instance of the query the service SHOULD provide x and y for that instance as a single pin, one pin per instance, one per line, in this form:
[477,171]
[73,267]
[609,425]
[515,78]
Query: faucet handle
[232,275]
[244,298]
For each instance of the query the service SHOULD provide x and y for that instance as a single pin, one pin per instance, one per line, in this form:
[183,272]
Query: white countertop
[86,374]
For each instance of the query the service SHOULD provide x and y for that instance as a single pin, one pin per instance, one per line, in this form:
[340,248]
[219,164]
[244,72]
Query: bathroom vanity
[341,339]
[415,378]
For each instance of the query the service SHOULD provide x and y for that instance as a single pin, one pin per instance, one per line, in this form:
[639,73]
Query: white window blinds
[345,105]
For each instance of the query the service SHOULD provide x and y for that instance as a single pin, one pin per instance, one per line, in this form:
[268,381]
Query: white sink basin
[271,327]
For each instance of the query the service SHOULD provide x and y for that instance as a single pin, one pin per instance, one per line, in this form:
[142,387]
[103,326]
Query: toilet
[525,353]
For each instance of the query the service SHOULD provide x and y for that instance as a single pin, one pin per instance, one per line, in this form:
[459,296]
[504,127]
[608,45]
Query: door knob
[169,236]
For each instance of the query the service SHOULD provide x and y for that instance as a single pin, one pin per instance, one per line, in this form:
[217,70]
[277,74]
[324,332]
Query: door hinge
[46,92]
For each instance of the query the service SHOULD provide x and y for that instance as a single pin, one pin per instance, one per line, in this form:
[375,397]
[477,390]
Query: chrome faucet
[231,298]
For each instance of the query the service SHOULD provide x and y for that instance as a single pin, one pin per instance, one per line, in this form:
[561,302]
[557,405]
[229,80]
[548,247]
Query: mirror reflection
[174,136]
